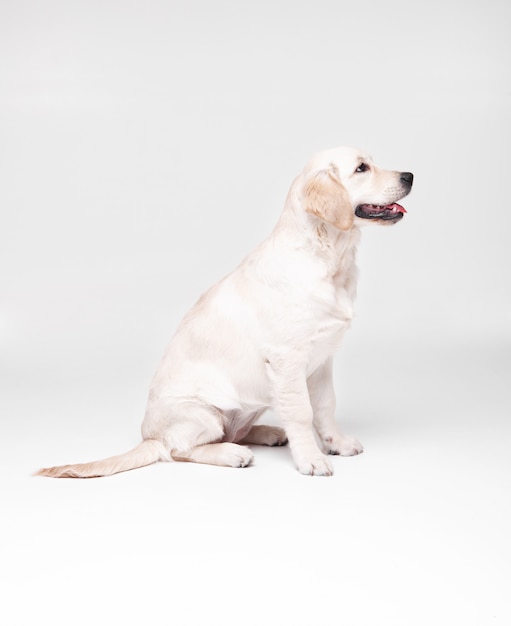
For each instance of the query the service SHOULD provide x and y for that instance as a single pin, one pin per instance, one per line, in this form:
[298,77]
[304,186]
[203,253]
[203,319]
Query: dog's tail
[149,451]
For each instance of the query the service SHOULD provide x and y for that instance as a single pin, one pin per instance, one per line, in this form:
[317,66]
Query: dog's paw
[275,436]
[242,458]
[262,435]
[343,445]
[319,465]
[233,455]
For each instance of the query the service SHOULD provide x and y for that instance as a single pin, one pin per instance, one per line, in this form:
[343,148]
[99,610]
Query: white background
[145,148]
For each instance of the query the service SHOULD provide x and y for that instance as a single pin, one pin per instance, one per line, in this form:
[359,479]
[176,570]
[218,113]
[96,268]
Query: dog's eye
[363,167]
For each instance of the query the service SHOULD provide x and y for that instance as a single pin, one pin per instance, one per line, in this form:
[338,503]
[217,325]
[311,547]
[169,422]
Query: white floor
[414,531]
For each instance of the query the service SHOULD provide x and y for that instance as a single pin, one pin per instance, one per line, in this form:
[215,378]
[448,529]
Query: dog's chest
[331,317]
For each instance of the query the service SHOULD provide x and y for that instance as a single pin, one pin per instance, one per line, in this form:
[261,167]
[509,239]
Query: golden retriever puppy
[264,336]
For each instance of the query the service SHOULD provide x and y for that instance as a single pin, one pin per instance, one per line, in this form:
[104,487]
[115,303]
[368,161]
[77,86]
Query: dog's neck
[298,229]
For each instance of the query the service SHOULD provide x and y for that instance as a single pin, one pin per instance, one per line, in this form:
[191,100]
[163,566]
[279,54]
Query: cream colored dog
[263,337]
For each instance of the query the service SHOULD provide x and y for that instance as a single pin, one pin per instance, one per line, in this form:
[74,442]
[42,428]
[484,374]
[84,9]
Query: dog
[264,336]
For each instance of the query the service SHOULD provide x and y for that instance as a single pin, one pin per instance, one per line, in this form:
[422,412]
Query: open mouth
[388,212]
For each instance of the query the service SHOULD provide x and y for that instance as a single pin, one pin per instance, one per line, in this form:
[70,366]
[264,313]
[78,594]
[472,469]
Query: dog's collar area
[388,212]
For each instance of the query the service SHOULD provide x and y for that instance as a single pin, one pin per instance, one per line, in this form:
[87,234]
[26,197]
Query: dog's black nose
[406,178]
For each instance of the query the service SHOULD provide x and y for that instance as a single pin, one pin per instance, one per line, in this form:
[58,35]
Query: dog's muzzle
[387,212]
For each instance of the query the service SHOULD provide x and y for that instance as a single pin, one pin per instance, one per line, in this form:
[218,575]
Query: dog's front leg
[322,397]
[292,404]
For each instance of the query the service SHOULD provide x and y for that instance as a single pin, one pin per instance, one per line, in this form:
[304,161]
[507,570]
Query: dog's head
[345,188]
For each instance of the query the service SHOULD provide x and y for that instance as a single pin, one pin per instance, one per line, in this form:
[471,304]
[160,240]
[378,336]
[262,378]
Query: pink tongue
[397,207]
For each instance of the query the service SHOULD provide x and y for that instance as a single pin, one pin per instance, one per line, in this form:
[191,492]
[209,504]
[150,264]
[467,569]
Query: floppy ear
[326,198]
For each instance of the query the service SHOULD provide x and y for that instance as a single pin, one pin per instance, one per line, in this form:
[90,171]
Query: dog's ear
[326,198]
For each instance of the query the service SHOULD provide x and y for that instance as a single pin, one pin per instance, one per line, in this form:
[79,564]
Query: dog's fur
[263,337]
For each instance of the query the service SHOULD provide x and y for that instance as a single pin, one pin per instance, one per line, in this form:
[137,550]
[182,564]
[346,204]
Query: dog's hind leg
[261,435]
[194,431]
[226,454]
